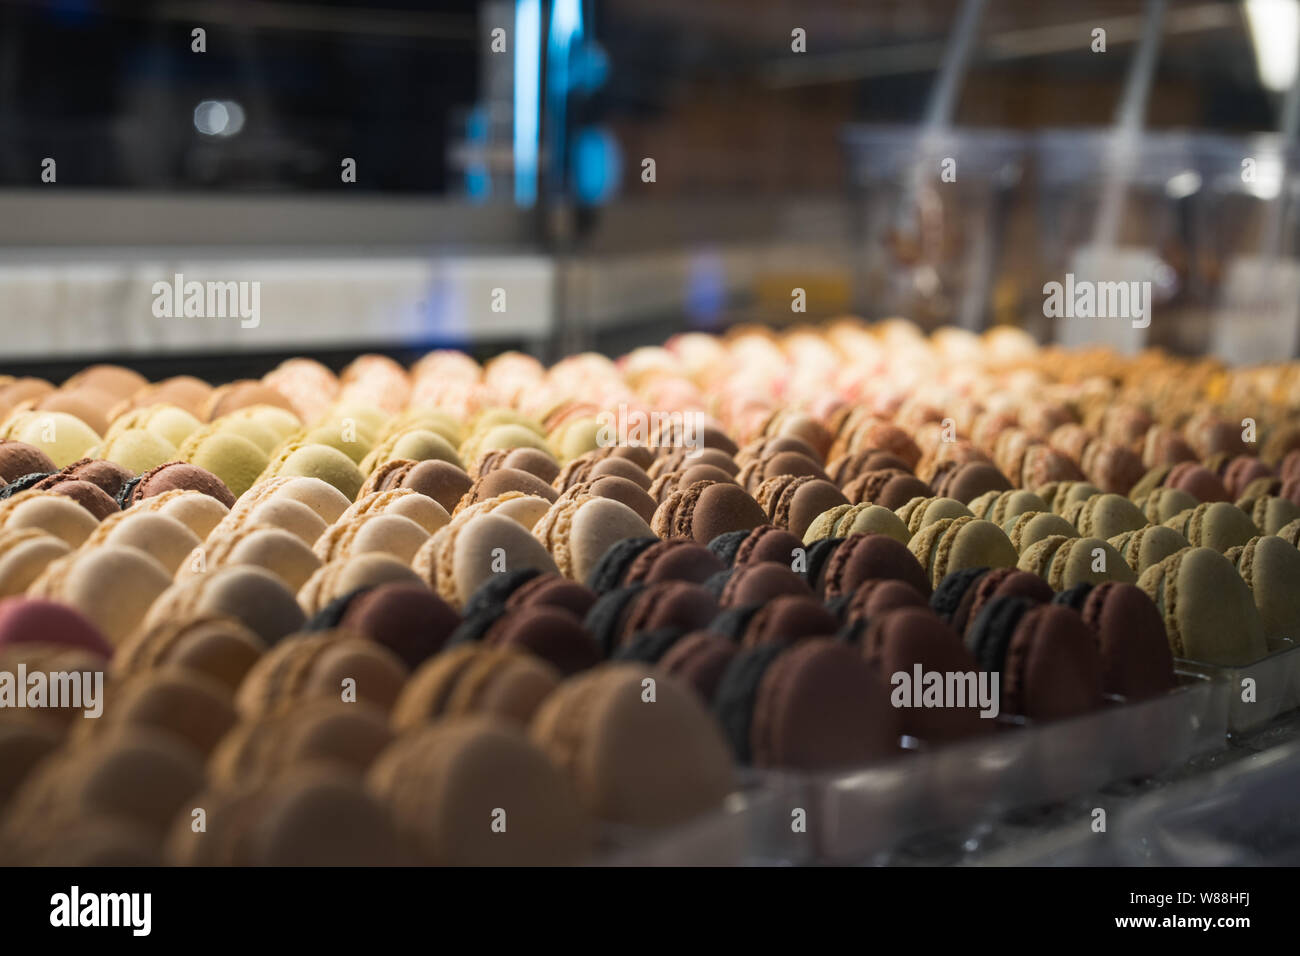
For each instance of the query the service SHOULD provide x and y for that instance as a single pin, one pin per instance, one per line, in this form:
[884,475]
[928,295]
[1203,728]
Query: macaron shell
[1053,666]
[114,585]
[253,595]
[820,706]
[595,526]
[164,539]
[632,762]
[1033,526]
[443,785]
[1087,559]
[282,553]
[55,514]
[869,518]
[1148,546]
[350,574]
[491,544]
[723,507]
[235,460]
[292,516]
[1273,573]
[63,437]
[23,562]
[1209,611]
[975,544]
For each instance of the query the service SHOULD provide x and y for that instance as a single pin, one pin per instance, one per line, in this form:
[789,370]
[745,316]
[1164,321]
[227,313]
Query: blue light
[528,67]
[706,289]
[597,165]
[566,28]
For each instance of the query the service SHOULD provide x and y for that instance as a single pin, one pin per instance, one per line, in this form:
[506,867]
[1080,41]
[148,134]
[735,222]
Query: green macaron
[1106,515]
[1147,546]
[1209,611]
[1270,566]
[1214,524]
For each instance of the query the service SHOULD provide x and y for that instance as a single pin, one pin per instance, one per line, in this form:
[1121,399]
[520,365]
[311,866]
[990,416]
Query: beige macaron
[346,575]
[115,586]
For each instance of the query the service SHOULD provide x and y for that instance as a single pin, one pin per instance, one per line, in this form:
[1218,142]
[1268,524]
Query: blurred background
[563,174]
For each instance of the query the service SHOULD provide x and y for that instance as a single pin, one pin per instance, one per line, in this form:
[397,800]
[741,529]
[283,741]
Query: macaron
[1208,610]
[19,458]
[24,554]
[1064,562]
[962,594]
[49,512]
[954,543]
[755,583]
[816,705]
[235,461]
[1270,513]
[867,518]
[1033,526]
[1047,659]
[578,532]
[903,639]
[874,598]
[442,481]
[348,575]
[1136,662]
[221,648]
[406,502]
[165,539]
[25,620]
[1270,567]
[1161,504]
[115,585]
[173,476]
[135,449]
[282,553]
[1147,546]
[299,460]
[638,747]
[318,730]
[867,557]
[699,659]
[1216,525]
[1105,515]
[386,533]
[551,633]
[475,791]
[470,678]
[193,707]
[403,616]
[922,512]
[311,815]
[327,664]
[705,510]
[199,512]
[63,438]
[888,487]
[674,559]
[253,595]
[500,481]
[766,543]
[461,556]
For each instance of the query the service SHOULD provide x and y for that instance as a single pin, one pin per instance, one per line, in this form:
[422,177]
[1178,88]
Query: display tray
[778,818]
[1275,689]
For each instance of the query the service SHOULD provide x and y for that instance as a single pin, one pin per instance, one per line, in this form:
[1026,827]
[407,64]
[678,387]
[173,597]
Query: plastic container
[1117,210]
[1276,687]
[858,816]
[930,212]
[966,786]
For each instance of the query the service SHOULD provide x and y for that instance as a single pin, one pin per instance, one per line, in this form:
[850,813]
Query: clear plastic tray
[1277,687]
[853,817]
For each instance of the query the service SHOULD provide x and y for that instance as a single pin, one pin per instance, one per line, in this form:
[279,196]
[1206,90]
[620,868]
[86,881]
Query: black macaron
[605,619]
[818,555]
[128,489]
[727,544]
[23,483]
[612,567]
[947,597]
[473,627]
[496,590]
[990,635]
[1074,597]
[329,617]
[732,622]
[733,701]
[649,646]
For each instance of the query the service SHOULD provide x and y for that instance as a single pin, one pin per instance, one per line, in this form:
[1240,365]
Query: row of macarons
[203,705]
[409,516]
